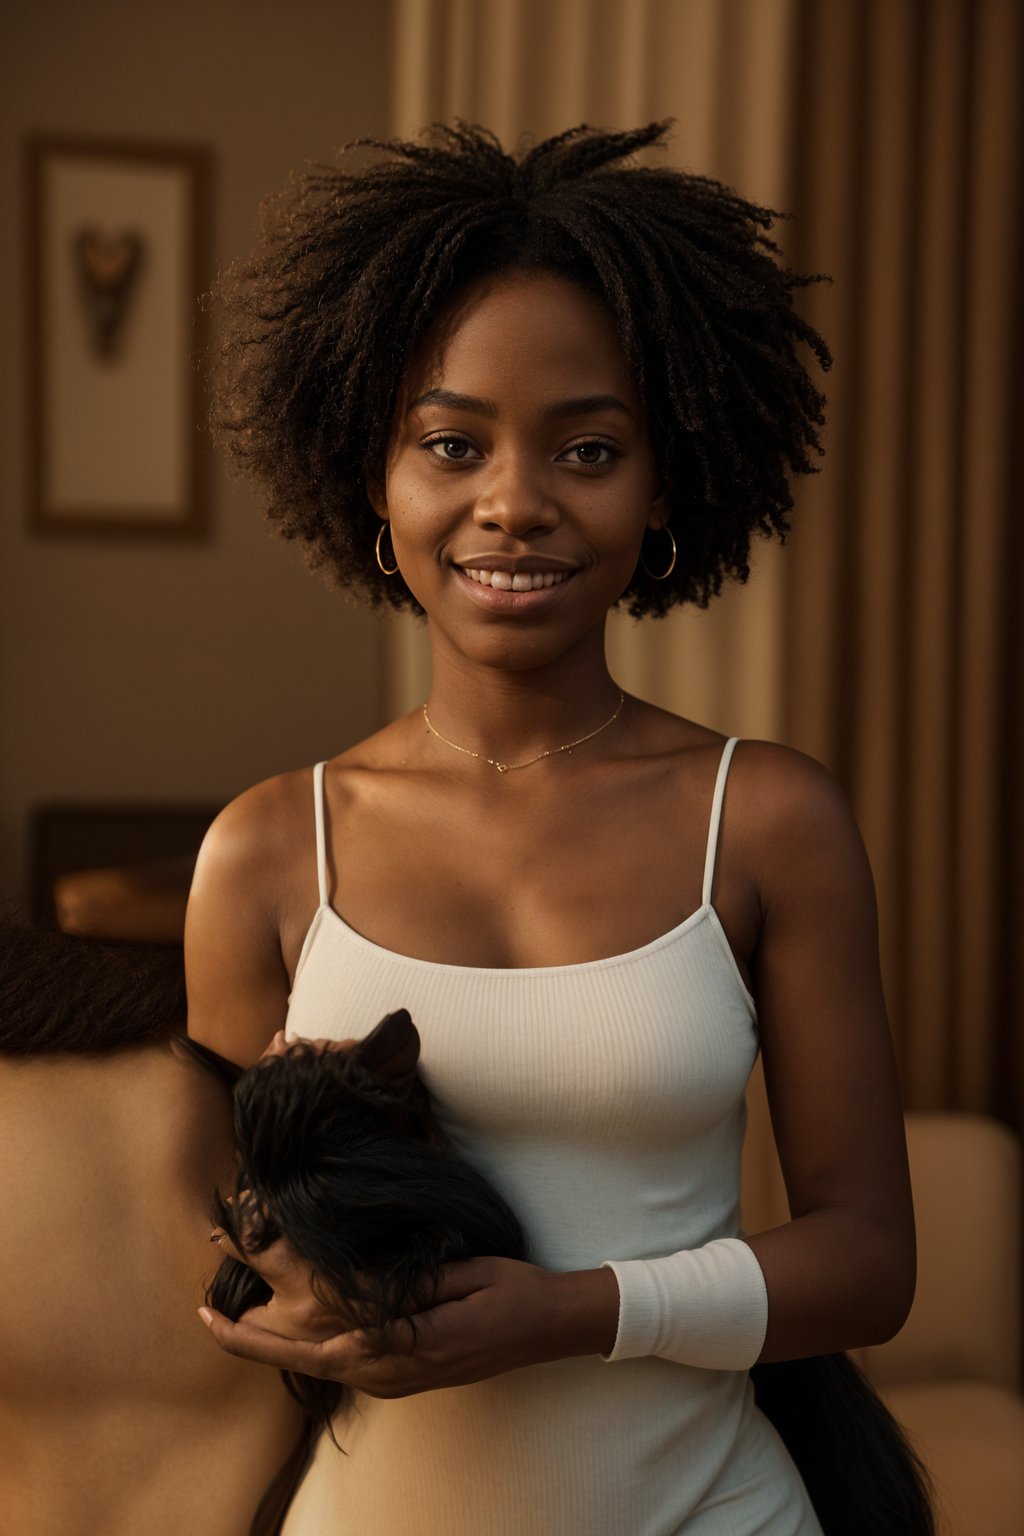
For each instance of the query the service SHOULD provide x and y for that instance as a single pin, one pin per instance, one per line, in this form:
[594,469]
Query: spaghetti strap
[716,819]
[321,835]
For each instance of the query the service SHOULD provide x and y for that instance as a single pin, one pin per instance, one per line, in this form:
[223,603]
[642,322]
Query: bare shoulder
[798,838]
[787,800]
[255,868]
[774,792]
[261,849]
[769,779]
[258,826]
[785,771]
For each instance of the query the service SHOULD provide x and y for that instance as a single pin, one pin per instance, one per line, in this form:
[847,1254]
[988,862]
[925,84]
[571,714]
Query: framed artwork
[118,238]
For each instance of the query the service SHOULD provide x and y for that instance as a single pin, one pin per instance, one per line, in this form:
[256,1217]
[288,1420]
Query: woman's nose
[515,499]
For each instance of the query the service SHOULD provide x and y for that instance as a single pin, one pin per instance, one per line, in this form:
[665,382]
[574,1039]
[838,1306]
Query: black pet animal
[339,1151]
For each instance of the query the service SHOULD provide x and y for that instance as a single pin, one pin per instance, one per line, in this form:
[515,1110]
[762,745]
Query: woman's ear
[661,509]
[375,486]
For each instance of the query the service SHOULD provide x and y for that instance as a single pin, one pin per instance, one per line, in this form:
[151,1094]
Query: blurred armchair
[116,872]
[952,1375]
[140,904]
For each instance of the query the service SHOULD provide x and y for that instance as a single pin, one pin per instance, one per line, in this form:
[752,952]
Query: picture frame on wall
[117,258]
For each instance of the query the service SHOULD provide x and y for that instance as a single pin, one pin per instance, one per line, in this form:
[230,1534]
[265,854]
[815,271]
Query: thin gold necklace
[551,752]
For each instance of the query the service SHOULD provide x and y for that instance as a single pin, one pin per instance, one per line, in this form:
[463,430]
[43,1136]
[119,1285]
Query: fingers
[287,1320]
[227,1248]
[277,1264]
[327,1359]
[462,1278]
[299,1307]
[281,1044]
[349,1358]
[473,1329]
[284,1270]
[407,1356]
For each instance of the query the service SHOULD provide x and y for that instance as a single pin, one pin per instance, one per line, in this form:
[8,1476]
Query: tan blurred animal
[118,1414]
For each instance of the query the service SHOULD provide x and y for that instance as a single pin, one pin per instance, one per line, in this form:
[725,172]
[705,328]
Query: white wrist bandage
[705,1306]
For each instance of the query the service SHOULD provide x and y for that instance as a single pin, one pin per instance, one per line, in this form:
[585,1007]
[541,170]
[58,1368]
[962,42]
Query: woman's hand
[280,1045]
[491,1315]
[295,1310]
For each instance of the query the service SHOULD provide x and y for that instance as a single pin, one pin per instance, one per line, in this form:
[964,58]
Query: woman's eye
[593,454]
[451,449]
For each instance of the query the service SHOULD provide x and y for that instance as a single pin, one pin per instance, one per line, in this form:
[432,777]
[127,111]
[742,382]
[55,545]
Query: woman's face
[520,477]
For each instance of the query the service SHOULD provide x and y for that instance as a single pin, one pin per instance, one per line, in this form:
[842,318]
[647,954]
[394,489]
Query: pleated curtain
[885,639]
[903,655]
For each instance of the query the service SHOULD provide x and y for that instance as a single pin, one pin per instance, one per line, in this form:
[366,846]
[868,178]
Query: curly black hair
[355,265]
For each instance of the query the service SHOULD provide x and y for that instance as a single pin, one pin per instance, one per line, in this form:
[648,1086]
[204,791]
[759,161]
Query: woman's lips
[509,594]
[515,581]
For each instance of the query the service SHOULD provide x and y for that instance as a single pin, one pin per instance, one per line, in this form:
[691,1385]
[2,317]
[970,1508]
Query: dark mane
[63,993]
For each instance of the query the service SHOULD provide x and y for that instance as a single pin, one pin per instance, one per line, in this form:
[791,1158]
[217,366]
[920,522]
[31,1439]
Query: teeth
[522,581]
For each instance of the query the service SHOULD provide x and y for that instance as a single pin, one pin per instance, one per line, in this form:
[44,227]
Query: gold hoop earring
[663,575]
[388,570]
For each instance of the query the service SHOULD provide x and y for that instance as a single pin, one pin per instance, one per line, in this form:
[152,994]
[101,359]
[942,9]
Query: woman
[512,394]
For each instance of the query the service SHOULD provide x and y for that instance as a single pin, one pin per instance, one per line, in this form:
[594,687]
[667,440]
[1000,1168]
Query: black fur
[352,1167]
[59,992]
[863,1476]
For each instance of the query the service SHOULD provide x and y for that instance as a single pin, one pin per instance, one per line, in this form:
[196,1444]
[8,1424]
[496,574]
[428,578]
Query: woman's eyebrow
[455,402]
[586,405]
[580,405]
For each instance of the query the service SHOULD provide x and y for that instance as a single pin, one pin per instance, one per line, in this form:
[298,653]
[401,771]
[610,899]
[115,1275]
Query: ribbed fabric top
[605,1101]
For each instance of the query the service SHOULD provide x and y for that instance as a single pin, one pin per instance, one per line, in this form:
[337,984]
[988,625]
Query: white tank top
[605,1100]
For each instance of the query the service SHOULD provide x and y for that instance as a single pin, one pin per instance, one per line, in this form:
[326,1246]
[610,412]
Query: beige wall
[173,671]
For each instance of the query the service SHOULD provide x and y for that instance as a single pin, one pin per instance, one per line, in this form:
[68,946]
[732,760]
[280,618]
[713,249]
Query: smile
[520,581]
[508,593]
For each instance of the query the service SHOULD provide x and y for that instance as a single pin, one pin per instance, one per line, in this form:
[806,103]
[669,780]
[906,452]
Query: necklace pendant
[553,752]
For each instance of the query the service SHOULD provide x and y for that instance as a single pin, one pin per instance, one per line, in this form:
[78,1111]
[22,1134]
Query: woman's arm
[841,1273]
[236,977]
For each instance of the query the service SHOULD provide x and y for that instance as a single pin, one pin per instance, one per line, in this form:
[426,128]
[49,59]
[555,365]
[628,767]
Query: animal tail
[860,1470]
[269,1517]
